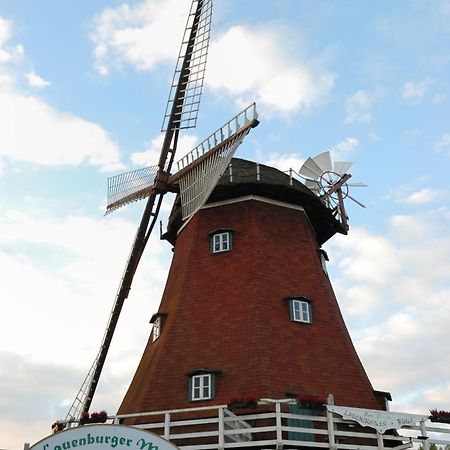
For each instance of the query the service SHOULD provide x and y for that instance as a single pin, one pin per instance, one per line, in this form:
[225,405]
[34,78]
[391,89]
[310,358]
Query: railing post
[423,431]
[380,442]
[330,424]
[167,426]
[278,425]
[221,445]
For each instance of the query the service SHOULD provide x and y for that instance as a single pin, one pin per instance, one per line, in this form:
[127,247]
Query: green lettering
[144,444]
[74,443]
[122,441]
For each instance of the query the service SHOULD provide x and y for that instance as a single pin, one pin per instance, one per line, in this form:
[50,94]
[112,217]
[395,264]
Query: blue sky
[83,87]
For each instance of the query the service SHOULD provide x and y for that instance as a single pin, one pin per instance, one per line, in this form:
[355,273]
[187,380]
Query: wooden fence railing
[273,426]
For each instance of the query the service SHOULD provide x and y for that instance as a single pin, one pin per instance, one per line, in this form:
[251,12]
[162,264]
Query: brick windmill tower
[248,311]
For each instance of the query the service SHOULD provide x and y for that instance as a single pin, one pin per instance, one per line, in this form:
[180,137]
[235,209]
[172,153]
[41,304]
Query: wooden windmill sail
[196,176]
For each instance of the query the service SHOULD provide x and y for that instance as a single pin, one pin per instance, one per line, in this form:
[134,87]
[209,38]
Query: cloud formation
[35,132]
[140,35]
[416,91]
[394,294]
[262,70]
[358,107]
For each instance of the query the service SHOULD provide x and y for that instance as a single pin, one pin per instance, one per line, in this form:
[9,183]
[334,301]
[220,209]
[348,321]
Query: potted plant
[242,402]
[311,402]
[440,416]
[95,417]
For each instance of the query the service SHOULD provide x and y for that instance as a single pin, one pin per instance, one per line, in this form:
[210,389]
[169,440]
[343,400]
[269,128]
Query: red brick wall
[226,312]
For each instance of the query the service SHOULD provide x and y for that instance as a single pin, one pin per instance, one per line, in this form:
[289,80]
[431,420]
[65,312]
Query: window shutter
[213,386]
[190,389]
[291,309]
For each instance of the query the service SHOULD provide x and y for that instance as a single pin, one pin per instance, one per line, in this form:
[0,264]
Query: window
[221,241]
[156,332]
[158,321]
[323,260]
[300,310]
[202,385]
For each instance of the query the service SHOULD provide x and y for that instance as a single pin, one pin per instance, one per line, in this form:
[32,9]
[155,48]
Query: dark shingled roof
[241,178]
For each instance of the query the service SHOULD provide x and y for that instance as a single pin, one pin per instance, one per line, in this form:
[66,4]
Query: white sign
[380,420]
[104,437]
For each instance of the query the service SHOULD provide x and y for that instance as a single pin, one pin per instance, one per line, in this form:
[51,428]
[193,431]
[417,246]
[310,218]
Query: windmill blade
[357,185]
[130,187]
[342,167]
[312,185]
[181,112]
[324,161]
[310,169]
[202,168]
[356,201]
[187,84]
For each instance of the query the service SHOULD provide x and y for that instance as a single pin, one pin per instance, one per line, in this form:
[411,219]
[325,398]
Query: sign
[380,420]
[104,437]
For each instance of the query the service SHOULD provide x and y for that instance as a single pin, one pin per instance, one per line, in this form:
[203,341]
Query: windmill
[197,173]
[330,182]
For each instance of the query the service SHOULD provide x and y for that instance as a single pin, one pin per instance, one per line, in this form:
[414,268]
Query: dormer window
[323,260]
[202,385]
[156,332]
[300,309]
[157,321]
[221,240]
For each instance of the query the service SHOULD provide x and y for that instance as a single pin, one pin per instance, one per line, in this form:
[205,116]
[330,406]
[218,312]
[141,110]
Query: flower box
[440,416]
[242,403]
[311,402]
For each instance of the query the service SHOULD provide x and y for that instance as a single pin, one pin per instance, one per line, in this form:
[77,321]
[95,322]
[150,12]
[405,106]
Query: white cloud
[36,81]
[358,107]
[344,149]
[285,162]
[443,145]
[394,292]
[262,71]
[60,277]
[5,31]
[141,35]
[423,196]
[35,132]
[150,156]
[416,91]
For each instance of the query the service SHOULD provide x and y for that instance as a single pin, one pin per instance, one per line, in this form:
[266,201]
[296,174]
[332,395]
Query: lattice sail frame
[200,170]
[130,187]
[186,117]
[197,185]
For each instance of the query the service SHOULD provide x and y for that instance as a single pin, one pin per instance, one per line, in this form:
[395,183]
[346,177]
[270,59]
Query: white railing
[273,426]
[233,126]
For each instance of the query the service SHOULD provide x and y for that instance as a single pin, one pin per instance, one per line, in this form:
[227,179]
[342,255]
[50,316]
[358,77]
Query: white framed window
[323,260]
[156,331]
[300,310]
[221,241]
[202,387]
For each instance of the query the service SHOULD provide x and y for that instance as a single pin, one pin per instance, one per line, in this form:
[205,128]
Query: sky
[83,89]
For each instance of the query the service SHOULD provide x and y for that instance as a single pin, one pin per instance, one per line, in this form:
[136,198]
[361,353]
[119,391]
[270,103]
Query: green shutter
[294,436]
[190,388]
[291,309]
[213,386]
